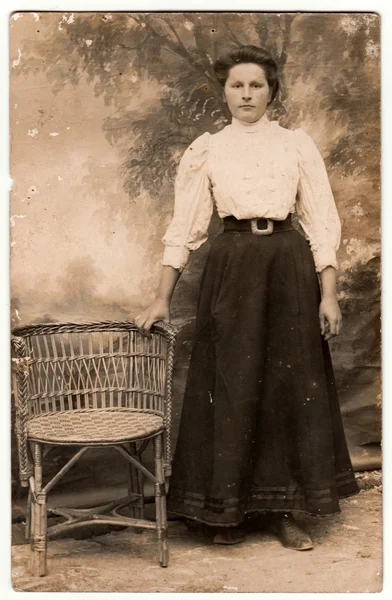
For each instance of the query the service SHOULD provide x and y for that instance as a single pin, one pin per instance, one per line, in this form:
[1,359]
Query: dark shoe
[289,533]
[229,535]
[194,526]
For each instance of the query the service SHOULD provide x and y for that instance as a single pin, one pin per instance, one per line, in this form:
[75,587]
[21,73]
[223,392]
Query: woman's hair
[248,54]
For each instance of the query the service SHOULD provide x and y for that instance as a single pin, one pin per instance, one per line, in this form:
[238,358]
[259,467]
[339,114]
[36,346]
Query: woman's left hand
[330,317]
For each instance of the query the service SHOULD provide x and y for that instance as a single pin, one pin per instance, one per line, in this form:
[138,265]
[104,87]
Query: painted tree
[119,53]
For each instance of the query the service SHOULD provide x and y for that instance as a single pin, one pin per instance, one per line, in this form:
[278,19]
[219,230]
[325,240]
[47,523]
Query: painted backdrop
[102,107]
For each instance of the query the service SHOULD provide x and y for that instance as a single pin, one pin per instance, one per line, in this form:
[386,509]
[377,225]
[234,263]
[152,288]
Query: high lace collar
[257,126]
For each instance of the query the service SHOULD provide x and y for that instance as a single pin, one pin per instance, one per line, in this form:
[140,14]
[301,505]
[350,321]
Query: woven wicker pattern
[68,367]
[93,384]
[97,370]
[93,426]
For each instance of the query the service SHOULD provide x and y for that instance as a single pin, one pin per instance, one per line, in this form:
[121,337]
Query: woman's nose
[246,94]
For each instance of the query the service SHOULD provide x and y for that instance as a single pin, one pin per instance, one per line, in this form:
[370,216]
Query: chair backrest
[104,365]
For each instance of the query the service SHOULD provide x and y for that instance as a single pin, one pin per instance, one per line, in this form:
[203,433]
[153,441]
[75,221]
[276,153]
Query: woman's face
[247,92]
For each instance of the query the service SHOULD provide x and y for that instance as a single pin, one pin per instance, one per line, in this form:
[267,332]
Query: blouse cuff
[324,257]
[176,257]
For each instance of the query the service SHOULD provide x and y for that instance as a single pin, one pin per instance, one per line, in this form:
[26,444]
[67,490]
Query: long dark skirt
[261,428]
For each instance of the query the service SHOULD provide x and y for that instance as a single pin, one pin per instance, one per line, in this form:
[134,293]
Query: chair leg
[38,540]
[160,503]
[28,516]
[135,486]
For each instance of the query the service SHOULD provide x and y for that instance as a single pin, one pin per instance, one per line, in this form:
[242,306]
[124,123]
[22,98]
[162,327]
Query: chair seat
[94,426]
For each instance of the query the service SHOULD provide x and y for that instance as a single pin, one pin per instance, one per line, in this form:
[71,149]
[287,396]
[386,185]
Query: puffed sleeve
[316,206]
[192,205]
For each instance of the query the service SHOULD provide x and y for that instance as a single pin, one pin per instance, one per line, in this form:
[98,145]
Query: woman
[261,428]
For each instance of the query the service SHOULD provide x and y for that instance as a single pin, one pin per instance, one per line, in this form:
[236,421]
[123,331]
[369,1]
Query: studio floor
[347,557]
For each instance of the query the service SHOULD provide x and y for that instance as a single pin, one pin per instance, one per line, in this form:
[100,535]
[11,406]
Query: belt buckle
[257,231]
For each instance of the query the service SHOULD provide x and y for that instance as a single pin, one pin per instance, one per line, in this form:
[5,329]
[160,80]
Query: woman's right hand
[159,310]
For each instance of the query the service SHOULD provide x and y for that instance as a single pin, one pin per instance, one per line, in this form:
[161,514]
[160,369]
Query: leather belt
[260,226]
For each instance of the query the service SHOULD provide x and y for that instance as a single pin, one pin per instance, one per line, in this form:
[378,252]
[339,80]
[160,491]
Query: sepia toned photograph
[195,302]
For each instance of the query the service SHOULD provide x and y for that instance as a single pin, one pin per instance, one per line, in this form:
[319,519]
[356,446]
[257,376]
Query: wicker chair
[92,385]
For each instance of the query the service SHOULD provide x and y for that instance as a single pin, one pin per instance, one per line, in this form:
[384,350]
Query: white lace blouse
[249,171]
